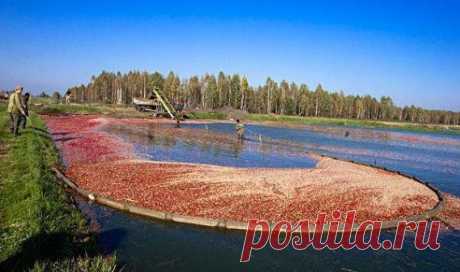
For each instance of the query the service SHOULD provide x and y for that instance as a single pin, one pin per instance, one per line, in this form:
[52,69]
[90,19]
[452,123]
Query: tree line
[210,92]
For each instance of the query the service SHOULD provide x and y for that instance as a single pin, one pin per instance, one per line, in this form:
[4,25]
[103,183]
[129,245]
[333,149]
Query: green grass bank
[40,227]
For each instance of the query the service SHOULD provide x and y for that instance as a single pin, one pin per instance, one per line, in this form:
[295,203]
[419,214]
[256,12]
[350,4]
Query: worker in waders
[177,123]
[239,129]
[178,118]
[15,110]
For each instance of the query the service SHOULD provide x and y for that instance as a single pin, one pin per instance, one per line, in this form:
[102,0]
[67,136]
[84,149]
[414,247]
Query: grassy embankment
[299,120]
[123,111]
[40,228]
[351,122]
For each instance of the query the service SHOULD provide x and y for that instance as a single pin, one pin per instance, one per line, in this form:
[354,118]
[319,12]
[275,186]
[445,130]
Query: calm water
[146,245]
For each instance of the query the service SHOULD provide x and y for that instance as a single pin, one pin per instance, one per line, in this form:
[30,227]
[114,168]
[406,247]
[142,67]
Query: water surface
[147,245]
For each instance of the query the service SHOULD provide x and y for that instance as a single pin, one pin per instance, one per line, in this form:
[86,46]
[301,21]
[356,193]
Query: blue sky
[409,50]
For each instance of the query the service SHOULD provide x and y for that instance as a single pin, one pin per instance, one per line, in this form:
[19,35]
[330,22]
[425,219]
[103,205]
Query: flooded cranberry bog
[202,170]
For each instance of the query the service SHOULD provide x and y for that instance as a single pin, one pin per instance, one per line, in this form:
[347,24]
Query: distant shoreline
[45,107]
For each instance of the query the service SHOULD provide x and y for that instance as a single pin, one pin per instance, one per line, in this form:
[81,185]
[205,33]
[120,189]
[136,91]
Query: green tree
[244,89]
[210,93]
[319,96]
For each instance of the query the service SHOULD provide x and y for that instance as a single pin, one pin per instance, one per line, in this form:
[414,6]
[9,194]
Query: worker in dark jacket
[25,106]
[15,109]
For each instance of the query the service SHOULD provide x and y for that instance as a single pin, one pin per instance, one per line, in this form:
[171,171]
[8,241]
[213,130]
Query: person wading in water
[239,127]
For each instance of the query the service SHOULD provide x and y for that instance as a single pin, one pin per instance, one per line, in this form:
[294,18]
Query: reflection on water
[195,144]
[156,246]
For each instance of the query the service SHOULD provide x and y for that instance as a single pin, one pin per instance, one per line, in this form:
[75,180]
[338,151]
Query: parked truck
[157,104]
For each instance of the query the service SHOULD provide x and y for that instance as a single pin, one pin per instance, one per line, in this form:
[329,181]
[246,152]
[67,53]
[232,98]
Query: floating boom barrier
[242,226]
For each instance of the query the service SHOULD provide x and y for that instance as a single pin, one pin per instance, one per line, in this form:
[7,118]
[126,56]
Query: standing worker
[15,109]
[178,118]
[25,106]
[239,129]
[177,123]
